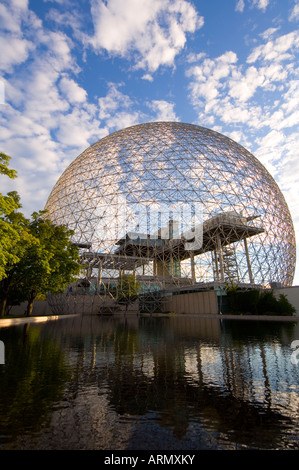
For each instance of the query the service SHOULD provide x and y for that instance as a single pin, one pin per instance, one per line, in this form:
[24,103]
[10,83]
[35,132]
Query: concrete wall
[194,303]
[40,307]
[292,294]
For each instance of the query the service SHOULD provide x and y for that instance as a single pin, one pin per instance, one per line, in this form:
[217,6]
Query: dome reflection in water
[168,382]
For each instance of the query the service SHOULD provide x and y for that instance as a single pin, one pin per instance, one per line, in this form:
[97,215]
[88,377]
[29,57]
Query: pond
[149,383]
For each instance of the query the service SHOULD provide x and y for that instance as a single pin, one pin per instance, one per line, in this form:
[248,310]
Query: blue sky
[74,71]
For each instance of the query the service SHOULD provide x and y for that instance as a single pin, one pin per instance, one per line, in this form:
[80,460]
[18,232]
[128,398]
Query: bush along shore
[257,302]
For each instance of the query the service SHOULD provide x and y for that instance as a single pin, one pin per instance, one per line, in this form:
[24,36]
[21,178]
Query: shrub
[267,303]
[285,307]
[258,302]
[242,301]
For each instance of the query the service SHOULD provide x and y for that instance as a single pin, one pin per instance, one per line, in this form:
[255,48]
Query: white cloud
[276,50]
[116,109]
[14,48]
[222,88]
[73,92]
[278,151]
[154,32]
[164,110]
[268,33]
[261,4]
[240,5]
[13,52]
[78,128]
[148,77]
[256,104]
[243,87]
[294,14]
[46,120]
[113,101]
[208,75]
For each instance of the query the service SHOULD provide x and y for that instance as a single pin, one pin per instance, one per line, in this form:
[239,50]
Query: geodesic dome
[122,192]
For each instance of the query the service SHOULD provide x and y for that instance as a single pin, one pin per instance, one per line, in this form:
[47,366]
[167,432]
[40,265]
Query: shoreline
[5,322]
[228,317]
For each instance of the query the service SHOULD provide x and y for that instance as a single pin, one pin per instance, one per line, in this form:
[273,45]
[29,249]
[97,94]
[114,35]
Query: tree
[54,263]
[36,257]
[11,283]
[9,232]
[285,306]
[51,263]
[48,262]
[4,170]
[127,290]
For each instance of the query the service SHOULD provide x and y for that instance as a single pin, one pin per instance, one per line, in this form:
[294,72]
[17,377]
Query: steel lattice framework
[114,186]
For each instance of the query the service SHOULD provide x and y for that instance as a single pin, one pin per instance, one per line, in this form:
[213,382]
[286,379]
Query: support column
[89,271]
[171,265]
[248,261]
[155,268]
[99,277]
[220,258]
[192,266]
[217,265]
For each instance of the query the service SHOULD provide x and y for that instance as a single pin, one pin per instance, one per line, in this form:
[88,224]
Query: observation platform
[221,230]
[137,250]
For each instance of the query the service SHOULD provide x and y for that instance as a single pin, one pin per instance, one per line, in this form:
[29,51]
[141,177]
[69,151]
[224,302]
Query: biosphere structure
[176,201]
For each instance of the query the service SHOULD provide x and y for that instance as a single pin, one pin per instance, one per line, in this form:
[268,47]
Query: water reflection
[149,383]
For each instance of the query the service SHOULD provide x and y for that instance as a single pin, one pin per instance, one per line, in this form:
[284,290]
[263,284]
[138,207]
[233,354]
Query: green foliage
[4,170]
[258,302]
[285,306]
[48,263]
[36,256]
[242,301]
[269,304]
[9,230]
[127,289]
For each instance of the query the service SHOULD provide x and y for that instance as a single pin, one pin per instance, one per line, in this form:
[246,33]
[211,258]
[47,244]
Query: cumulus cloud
[13,52]
[113,101]
[243,87]
[256,104]
[277,50]
[164,111]
[261,4]
[207,76]
[153,32]
[14,48]
[46,120]
[73,92]
[240,5]
[116,109]
[294,14]
[278,150]
[148,77]
[221,88]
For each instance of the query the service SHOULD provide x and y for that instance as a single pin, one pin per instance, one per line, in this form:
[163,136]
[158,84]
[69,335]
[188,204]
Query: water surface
[156,383]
